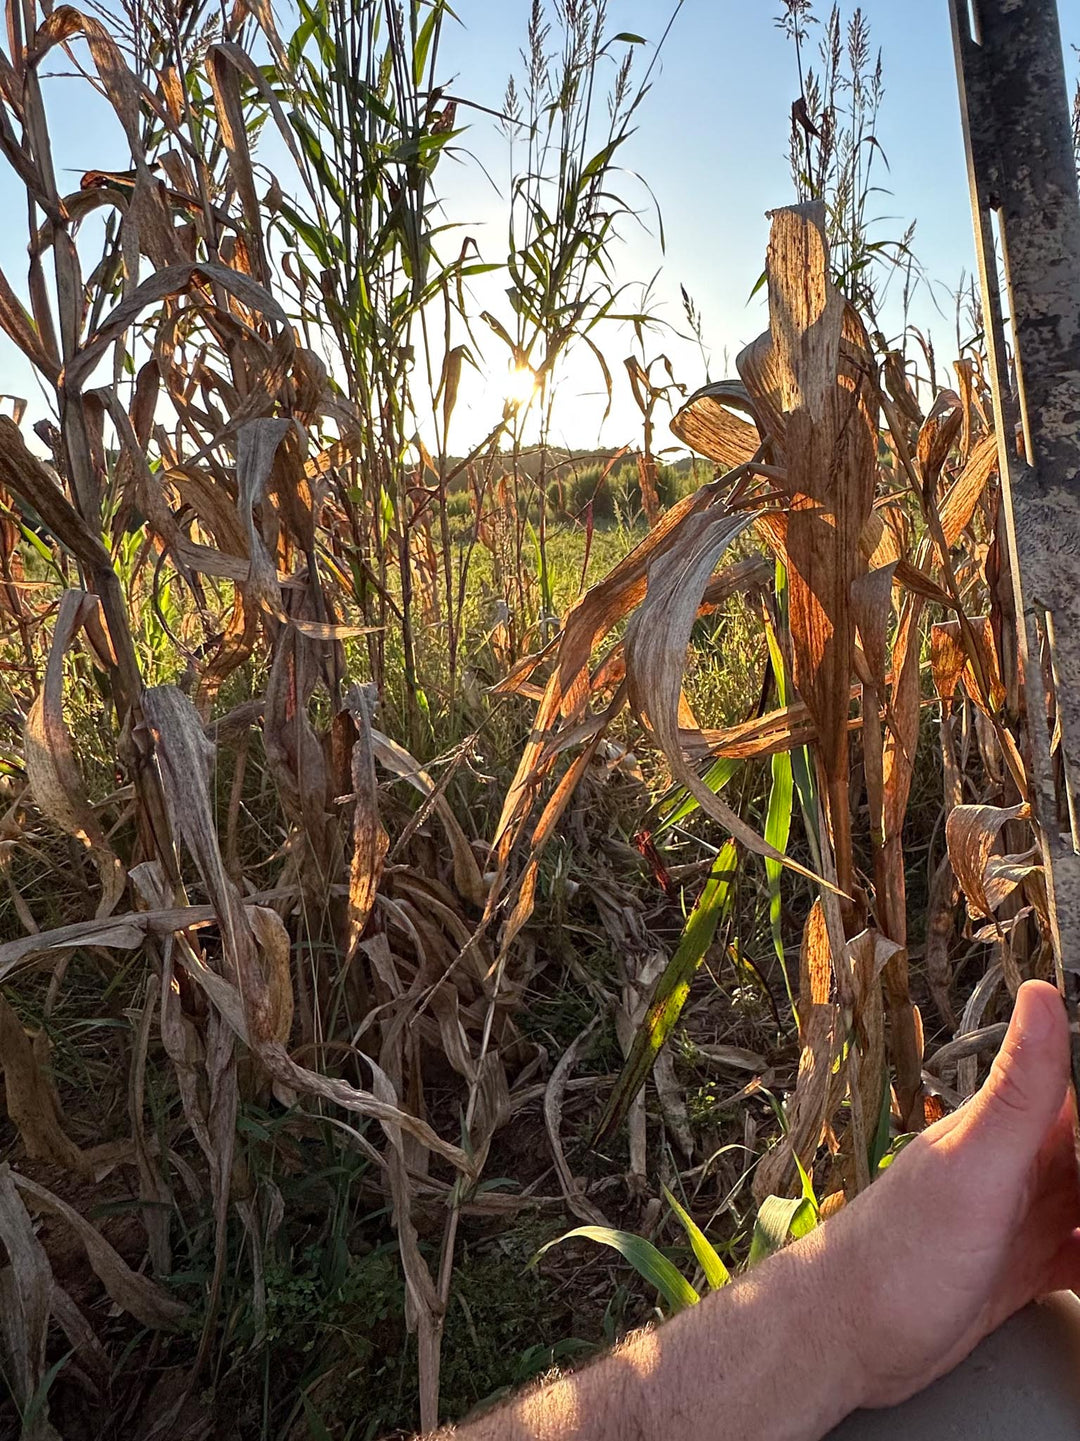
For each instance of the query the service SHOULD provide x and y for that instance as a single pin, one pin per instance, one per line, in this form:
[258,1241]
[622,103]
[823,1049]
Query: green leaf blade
[650,1264]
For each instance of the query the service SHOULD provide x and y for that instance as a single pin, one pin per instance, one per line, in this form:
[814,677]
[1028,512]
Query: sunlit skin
[974,1219]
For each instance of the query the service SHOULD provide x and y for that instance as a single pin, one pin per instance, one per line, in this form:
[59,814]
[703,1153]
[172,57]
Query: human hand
[974,1219]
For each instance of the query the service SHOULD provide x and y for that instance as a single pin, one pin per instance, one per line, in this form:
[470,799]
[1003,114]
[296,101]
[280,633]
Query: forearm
[763,1361]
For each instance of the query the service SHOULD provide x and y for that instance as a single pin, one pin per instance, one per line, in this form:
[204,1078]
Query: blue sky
[711,143]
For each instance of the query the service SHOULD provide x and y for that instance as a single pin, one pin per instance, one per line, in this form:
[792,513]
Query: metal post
[1023,177]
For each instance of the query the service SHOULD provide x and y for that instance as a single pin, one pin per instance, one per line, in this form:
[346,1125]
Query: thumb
[1022,1096]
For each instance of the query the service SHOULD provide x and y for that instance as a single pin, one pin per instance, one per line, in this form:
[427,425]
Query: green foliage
[779,1219]
[673,987]
[650,1264]
[716,1273]
[612,494]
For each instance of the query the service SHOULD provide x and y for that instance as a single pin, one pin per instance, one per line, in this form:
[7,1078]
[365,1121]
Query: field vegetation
[418,845]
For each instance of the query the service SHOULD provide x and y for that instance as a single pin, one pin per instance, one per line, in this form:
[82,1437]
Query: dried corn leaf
[172,280]
[586,624]
[54,776]
[656,642]
[467,878]
[242,995]
[138,1295]
[972,833]
[31,481]
[937,436]
[705,423]
[26,1285]
[951,661]
[30,1099]
[821,1039]
[370,841]
[963,495]
[811,380]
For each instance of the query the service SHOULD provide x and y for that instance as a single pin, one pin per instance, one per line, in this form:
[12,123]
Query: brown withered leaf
[868,954]
[940,926]
[587,622]
[138,1295]
[26,1285]
[963,495]
[812,381]
[370,841]
[25,476]
[275,949]
[706,424]
[395,758]
[819,1037]
[232,125]
[776,730]
[575,1198]
[30,1099]
[972,833]
[948,659]
[242,995]
[952,664]
[657,638]
[937,436]
[55,780]
[172,280]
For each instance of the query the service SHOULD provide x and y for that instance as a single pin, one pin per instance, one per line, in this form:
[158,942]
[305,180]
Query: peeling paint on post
[1023,171]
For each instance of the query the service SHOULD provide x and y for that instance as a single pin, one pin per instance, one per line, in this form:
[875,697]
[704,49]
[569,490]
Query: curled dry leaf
[395,758]
[575,1198]
[570,686]
[370,840]
[972,833]
[811,377]
[55,779]
[706,424]
[952,664]
[242,995]
[656,642]
[138,1295]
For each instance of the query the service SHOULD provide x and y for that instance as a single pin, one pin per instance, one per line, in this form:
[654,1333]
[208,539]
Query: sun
[521,385]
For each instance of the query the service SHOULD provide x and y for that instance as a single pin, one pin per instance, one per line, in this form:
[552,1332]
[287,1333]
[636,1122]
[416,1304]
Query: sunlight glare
[521,385]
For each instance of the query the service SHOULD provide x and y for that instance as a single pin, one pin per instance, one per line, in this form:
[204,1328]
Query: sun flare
[521,385]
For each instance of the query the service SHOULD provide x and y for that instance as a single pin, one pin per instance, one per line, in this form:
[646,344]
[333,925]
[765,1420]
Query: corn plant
[838,496]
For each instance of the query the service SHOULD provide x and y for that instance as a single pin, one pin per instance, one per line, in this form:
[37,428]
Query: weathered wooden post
[1023,186]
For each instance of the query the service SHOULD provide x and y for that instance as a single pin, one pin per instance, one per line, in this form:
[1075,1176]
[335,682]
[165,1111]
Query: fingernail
[1034,1018]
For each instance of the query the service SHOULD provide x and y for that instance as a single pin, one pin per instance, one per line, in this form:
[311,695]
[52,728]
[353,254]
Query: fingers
[1022,1098]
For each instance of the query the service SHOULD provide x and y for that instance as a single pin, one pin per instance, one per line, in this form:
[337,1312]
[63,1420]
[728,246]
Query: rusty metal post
[1023,179]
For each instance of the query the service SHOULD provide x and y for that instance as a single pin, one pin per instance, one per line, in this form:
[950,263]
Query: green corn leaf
[807,1184]
[646,1260]
[802,770]
[673,987]
[777,833]
[682,805]
[778,1218]
[879,1145]
[716,1273]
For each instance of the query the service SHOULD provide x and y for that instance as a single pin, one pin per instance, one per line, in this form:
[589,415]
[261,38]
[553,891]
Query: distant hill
[560,464]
